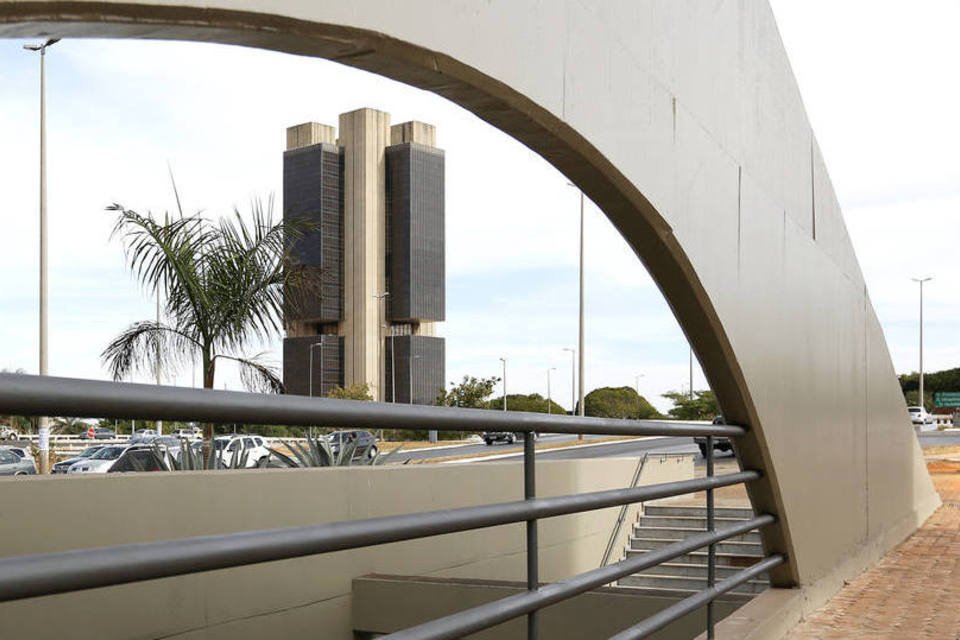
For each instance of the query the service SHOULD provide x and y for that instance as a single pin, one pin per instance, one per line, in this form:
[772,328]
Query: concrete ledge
[387,603]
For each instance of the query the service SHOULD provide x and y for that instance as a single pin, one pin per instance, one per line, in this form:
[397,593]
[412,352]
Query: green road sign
[946,399]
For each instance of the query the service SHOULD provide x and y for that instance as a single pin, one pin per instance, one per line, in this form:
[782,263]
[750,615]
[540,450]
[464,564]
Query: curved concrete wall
[683,122]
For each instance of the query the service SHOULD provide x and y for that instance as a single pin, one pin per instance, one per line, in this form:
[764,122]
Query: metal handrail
[29,395]
[499,611]
[641,463]
[675,611]
[49,573]
[46,574]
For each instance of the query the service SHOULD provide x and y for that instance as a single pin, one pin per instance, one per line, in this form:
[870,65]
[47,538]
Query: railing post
[529,493]
[712,549]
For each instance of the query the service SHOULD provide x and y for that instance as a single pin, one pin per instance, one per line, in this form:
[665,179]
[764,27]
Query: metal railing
[51,573]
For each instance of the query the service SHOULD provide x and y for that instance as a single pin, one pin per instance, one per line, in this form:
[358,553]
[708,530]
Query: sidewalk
[914,592]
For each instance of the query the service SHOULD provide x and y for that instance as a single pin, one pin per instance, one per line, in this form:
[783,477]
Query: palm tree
[223,287]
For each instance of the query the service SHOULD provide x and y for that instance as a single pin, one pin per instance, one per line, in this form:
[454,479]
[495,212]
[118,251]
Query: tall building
[374,201]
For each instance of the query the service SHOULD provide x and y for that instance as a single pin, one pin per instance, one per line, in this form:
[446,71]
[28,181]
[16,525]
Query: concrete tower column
[364,136]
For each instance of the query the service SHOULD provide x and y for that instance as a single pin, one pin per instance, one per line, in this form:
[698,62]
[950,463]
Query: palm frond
[256,375]
[145,345]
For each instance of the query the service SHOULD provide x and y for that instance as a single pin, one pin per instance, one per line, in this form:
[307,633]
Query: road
[629,448]
[619,448]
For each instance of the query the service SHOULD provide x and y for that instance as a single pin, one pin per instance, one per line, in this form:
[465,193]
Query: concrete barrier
[306,597]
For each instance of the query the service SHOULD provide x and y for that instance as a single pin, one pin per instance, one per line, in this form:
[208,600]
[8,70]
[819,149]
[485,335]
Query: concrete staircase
[662,524]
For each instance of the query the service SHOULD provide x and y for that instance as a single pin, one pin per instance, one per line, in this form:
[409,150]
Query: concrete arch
[683,122]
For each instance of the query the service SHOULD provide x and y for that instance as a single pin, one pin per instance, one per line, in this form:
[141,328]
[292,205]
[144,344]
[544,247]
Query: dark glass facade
[327,361]
[415,228]
[420,359]
[313,201]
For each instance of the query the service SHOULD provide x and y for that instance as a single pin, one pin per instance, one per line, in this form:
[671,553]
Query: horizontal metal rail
[493,613]
[29,395]
[46,574]
[676,611]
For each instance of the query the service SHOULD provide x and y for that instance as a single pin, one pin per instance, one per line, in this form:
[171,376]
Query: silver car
[13,465]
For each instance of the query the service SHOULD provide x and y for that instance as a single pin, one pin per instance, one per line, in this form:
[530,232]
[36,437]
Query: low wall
[306,597]
[384,604]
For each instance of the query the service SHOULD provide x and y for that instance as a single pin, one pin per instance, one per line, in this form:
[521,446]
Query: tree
[471,393]
[222,285]
[946,380]
[703,405]
[618,402]
[533,402]
[359,391]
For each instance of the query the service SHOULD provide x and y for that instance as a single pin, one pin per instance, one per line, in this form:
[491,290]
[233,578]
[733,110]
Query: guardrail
[46,574]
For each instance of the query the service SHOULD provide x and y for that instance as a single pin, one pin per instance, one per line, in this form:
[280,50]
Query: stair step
[700,558]
[654,509]
[676,533]
[682,583]
[681,593]
[687,522]
[698,571]
[733,548]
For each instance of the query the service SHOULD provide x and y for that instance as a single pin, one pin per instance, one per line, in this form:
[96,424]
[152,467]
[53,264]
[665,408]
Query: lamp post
[44,422]
[504,362]
[691,373]
[312,347]
[580,340]
[573,379]
[549,400]
[381,368]
[921,281]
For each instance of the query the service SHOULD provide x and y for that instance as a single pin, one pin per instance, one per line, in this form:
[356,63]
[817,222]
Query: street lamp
[44,423]
[381,382]
[504,361]
[921,281]
[691,373]
[549,401]
[573,379]
[312,347]
[581,327]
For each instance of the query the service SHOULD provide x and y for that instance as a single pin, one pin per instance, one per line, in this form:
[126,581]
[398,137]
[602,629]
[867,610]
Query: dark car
[719,443]
[98,433]
[365,443]
[489,437]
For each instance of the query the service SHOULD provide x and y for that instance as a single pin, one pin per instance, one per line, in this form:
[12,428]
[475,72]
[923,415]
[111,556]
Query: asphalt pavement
[616,448]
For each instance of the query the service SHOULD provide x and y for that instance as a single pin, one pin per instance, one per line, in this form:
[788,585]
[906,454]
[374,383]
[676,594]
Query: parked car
[365,443]
[21,452]
[13,465]
[8,433]
[489,437]
[100,461]
[98,433]
[919,416]
[143,435]
[190,433]
[230,449]
[719,443]
[63,465]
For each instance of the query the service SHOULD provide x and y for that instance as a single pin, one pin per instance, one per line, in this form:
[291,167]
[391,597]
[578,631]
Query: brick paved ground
[914,592]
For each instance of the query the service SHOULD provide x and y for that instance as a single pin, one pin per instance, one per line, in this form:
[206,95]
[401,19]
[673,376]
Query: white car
[919,416]
[230,448]
[101,461]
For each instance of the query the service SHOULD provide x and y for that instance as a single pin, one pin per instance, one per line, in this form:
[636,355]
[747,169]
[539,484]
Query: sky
[879,90]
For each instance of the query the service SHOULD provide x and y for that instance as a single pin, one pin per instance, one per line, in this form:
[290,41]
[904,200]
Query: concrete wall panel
[291,598]
[661,111]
